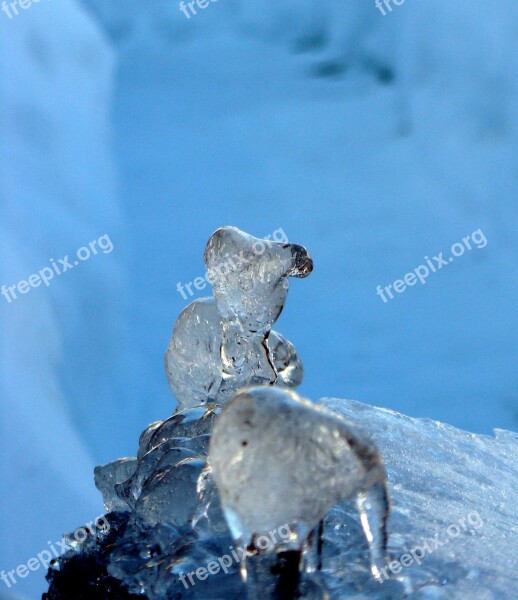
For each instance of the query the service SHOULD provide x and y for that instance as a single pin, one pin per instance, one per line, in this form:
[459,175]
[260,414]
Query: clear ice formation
[222,343]
[160,484]
[174,519]
[438,477]
[300,460]
[280,461]
[218,346]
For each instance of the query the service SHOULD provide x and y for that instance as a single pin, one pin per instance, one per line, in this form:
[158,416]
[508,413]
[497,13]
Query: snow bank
[57,194]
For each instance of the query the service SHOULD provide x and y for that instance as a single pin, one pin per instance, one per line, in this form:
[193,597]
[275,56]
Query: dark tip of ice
[302,262]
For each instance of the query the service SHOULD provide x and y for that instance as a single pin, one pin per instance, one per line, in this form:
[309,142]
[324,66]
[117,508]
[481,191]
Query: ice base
[439,478]
[438,475]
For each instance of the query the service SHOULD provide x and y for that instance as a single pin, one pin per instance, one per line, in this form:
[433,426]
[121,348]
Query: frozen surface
[438,476]
[453,510]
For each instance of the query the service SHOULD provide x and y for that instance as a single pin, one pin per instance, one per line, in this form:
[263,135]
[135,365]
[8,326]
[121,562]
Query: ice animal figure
[281,462]
[223,343]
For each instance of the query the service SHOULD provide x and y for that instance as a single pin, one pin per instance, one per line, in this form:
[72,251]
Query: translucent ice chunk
[288,365]
[193,363]
[279,461]
[108,476]
[165,444]
[250,277]
[187,423]
[373,506]
[155,461]
[145,437]
[170,495]
[222,344]
[209,518]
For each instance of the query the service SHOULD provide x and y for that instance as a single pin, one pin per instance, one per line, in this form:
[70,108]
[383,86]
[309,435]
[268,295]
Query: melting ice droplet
[280,461]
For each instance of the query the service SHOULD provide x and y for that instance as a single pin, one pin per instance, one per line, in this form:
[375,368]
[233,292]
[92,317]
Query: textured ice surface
[454,488]
[279,460]
[222,344]
[110,475]
[160,484]
[173,517]
[438,476]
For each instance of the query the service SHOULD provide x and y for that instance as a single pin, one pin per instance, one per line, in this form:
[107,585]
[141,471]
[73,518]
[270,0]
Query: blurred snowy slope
[62,346]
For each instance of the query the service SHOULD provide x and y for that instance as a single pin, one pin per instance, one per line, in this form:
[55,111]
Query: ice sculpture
[286,480]
[280,461]
[223,343]
[219,345]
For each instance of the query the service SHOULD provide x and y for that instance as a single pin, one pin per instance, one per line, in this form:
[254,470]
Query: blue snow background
[374,141]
